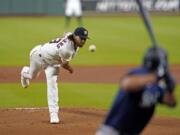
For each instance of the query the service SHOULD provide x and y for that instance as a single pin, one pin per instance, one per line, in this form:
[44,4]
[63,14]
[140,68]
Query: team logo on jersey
[85,32]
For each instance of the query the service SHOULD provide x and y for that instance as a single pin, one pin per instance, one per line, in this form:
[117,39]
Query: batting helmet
[154,57]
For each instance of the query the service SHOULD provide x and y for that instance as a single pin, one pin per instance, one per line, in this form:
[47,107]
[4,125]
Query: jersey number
[59,41]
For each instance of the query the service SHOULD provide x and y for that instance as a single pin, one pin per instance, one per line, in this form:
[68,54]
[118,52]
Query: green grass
[71,95]
[78,95]
[119,40]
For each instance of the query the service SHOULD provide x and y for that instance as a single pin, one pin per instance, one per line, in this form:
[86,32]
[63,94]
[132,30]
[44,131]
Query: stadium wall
[56,7]
[31,7]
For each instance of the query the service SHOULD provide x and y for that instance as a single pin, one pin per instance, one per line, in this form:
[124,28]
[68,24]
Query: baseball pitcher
[50,57]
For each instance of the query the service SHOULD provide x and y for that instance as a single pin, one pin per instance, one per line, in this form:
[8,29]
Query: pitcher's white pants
[52,88]
[51,71]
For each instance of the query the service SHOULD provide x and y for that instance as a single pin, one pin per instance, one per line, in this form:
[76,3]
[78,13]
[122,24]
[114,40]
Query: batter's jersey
[132,111]
[60,49]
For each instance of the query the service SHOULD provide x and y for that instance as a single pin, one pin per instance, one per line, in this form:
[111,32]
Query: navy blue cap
[81,32]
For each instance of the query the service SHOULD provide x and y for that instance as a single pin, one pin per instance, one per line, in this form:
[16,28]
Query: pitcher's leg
[35,64]
[28,73]
[24,80]
[52,92]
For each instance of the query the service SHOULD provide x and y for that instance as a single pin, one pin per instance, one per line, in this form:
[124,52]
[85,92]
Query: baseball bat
[145,16]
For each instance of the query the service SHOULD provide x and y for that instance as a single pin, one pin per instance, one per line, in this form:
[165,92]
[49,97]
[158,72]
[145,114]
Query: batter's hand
[170,82]
[170,99]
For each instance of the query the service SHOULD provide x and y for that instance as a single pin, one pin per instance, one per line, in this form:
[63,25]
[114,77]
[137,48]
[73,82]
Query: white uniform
[47,56]
[73,7]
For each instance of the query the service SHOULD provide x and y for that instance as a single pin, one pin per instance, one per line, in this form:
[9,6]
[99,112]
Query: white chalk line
[28,108]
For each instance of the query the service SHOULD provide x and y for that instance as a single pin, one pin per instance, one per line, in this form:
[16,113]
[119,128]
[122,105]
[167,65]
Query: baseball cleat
[54,119]
[24,81]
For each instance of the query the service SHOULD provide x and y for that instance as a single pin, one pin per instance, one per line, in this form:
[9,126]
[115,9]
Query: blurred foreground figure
[141,90]
[73,8]
[50,57]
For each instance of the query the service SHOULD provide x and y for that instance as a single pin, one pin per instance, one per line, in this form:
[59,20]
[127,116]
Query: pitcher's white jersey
[60,49]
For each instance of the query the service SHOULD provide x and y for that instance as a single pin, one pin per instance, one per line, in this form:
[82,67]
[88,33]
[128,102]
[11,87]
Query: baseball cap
[81,32]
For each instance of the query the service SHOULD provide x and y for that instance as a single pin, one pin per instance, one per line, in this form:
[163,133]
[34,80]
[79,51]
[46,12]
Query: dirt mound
[74,121]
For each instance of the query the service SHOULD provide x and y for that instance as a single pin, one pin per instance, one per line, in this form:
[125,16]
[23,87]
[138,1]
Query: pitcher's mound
[74,121]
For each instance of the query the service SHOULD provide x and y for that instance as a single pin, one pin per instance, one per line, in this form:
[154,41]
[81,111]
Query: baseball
[92,48]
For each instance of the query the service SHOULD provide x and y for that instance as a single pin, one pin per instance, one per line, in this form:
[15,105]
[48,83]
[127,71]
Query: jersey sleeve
[137,71]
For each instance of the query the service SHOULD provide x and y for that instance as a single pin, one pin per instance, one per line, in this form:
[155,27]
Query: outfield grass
[119,40]
[71,95]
